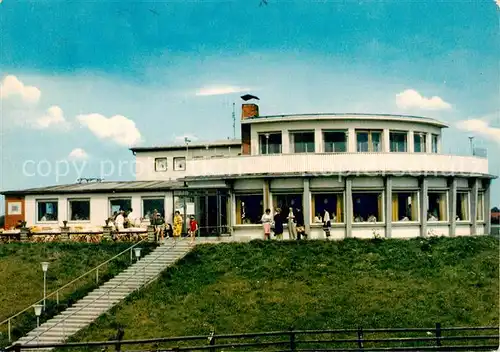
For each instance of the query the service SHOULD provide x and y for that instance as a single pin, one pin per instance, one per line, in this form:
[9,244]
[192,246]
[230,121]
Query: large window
[331,202]
[434,145]
[462,206]
[249,208]
[47,210]
[335,141]
[404,206]
[180,163]
[369,141]
[118,204]
[149,205]
[302,142]
[161,164]
[270,143]
[480,207]
[398,141]
[79,209]
[437,208]
[419,142]
[367,207]
[286,201]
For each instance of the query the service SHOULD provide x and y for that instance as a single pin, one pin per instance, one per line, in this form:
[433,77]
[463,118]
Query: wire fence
[437,338]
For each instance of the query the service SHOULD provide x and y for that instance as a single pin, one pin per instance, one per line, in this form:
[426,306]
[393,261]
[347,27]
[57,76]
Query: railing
[131,276]
[437,338]
[55,293]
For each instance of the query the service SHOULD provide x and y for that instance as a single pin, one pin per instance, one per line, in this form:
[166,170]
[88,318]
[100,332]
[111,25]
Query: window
[331,202]
[437,208]
[367,206]
[480,207]
[149,205]
[270,143]
[118,204]
[249,208]
[435,143]
[79,210]
[180,163]
[404,206]
[14,208]
[419,142]
[303,142]
[47,210]
[286,201]
[398,141]
[462,206]
[369,141]
[335,141]
[161,164]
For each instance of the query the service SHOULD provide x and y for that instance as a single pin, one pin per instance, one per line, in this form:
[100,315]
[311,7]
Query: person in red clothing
[193,228]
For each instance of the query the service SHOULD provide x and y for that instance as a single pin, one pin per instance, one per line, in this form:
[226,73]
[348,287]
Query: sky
[82,81]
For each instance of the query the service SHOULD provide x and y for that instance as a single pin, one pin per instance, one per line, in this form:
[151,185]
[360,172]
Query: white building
[388,168]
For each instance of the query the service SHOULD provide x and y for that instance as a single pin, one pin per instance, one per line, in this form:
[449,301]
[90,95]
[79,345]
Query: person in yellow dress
[177,224]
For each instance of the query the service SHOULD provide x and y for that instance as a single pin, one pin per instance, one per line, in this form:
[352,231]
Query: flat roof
[194,145]
[100,187]
[343,116]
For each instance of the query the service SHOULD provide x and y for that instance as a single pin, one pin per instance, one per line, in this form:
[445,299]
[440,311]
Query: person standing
[327,224]
[193,228]
[299,220]
[120,221]
[267,220]
[292,230]
[278,224]
[177,225]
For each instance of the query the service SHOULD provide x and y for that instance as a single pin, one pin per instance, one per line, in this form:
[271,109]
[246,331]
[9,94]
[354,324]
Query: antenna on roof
[234,123]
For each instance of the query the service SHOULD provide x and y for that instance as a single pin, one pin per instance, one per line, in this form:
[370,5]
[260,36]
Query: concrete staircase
[97,302]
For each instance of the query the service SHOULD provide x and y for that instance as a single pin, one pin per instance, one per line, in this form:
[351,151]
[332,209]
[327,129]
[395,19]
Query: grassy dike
[265,286]
[21,276]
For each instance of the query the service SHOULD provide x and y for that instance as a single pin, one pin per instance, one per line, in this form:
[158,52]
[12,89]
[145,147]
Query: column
[423,206]
[452,194]
[318,141]
[24,233]
[106,233]
[64,233]
[348,204]
[306,200]
[386,141]
[428,143]
[388,207]
[410,143]
[473,206]
[265,194]
[229,212]
[351,140]
[487,208]
[285,142]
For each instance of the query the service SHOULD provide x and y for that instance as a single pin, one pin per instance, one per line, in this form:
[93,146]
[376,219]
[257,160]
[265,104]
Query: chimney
[248,110]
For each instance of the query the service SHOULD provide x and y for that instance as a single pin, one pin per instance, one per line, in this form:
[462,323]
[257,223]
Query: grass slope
[265,286]
[21,276]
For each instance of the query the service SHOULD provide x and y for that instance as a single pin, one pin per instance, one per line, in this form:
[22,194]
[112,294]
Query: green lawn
[266,286]
[21,276]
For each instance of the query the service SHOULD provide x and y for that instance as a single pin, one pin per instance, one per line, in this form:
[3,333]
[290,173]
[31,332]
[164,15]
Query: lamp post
[45,267]
[38,312]
[137,252]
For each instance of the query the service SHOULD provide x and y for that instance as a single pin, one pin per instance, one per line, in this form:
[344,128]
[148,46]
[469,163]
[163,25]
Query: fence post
[438,334]
[119,337]
[360,339]
[97,276]
[293,346]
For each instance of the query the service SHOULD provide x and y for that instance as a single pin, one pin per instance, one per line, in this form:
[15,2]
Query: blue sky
[73,67]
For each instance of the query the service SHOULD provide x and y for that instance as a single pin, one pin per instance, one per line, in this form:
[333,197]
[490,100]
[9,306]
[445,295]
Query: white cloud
[78,154]
[410,98]
[11,86]
[118,128]
[480,127]
[183,138]
[220,90]
[53,116]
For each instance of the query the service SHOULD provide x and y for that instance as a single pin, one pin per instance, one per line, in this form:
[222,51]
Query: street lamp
[38,312]
[137,252]
[45,267]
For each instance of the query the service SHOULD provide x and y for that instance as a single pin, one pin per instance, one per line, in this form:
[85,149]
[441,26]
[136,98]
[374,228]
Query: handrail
[102,295]
[69,283]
